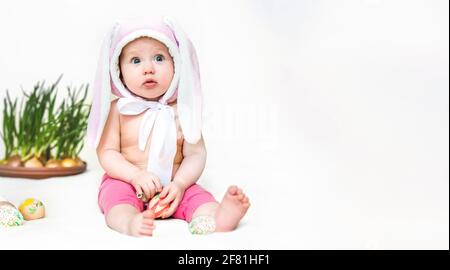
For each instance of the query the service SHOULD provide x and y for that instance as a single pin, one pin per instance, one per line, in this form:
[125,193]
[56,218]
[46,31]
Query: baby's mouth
[149,83]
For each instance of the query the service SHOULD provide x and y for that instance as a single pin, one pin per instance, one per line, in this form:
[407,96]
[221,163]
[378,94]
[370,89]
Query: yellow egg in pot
[32,209]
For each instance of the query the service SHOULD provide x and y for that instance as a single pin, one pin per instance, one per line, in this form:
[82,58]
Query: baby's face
[146,68]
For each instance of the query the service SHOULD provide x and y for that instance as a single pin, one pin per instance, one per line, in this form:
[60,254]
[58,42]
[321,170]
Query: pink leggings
[113,192]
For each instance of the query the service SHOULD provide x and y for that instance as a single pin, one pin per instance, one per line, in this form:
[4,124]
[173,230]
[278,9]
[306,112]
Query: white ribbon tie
[160,119]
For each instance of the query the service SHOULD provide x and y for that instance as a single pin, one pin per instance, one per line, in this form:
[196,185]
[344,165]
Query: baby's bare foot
[142,224]
[231,210]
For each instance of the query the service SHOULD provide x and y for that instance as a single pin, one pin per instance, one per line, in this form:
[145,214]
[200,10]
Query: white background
[332,115]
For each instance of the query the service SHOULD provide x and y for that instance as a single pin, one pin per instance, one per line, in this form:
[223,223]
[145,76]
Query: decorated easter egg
[154,205]
[9,215]
[32,209]
[202,225]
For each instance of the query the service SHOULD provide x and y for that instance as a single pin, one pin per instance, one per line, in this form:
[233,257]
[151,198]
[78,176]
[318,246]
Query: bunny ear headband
[159,118]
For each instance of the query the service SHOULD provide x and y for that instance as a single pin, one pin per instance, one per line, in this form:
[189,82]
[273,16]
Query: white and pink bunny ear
[189,96]
[102,92]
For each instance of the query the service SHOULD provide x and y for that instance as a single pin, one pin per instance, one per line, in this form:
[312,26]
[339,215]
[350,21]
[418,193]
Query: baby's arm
[192,165]
[108,150]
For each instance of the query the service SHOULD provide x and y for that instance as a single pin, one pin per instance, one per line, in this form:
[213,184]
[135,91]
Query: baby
[149,140]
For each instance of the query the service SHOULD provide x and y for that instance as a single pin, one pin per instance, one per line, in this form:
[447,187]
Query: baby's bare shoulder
[114,103]
[113,110]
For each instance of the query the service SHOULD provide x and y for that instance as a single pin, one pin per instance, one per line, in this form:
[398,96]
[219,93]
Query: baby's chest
[129,129]
[130,126]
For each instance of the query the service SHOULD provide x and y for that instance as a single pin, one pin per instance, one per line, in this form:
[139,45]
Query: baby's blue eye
[159,58]
[135,60]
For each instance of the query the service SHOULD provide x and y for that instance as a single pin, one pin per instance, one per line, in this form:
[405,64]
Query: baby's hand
[146,183]
[172,193]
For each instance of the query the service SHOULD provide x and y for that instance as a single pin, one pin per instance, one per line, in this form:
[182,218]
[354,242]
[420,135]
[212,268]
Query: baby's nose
[148,68]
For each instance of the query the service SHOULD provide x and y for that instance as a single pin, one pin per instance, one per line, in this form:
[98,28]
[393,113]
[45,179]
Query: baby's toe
[148,214]
[232,190]
[146,232]
[148,227]
[147,222]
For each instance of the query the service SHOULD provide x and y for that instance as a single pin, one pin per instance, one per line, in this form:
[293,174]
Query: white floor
[292,208]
